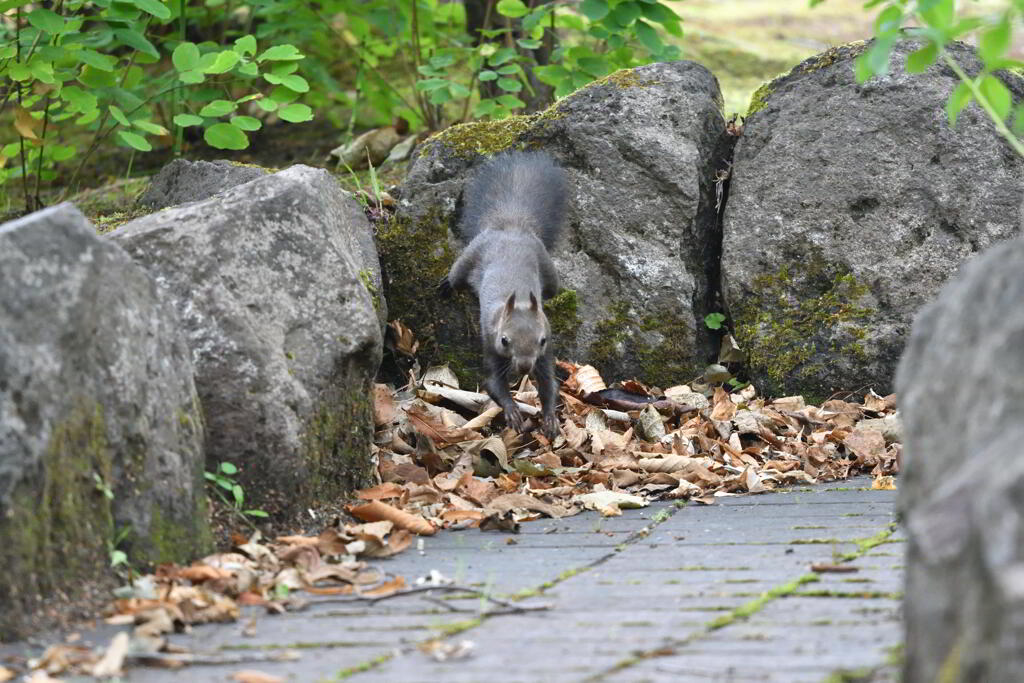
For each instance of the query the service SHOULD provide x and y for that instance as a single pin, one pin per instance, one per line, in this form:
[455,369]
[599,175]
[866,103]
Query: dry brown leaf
[376,511]
[254,676]
[384,410]
[385,589]
[723,408]
[403,338]
[668,463]
[867,445]
[520,501]
[26,125]
[883,483]
[433,428]
[113,659]
[589,380]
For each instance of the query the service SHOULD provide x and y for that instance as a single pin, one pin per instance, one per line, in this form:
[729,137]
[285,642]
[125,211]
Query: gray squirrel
[514,209]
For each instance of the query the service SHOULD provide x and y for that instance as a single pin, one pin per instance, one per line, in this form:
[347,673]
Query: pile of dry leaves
[445,462]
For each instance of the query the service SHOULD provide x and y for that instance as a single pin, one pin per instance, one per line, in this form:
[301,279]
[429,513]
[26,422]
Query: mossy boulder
[961,388]
[101,433]
[636,260]
[271,280]
[849,206]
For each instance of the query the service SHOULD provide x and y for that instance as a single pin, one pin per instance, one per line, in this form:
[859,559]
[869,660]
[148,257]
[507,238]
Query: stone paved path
[693,593]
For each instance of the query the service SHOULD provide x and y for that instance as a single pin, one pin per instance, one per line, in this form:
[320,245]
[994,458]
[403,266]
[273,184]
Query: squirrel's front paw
[444,287]
[550,427]
[514,417]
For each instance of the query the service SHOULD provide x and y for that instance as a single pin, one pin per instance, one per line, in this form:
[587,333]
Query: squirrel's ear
[510,304]
[533,303]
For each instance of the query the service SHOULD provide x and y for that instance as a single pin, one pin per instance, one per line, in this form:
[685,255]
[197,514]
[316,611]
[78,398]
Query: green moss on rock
[563,315]
[337,442]
[789,339]
[55,533]
[660,344]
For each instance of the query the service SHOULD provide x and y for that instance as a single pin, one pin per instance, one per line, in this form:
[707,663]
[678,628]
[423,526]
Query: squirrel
[514,209]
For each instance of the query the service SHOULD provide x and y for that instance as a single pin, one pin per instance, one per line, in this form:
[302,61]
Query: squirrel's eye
[504,341]
[543,341]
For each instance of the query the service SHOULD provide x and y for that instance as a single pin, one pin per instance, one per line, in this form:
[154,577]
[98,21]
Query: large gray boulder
[183,181]
[849,206]
[641,149]
[961,388]
[270,282]
[100,425]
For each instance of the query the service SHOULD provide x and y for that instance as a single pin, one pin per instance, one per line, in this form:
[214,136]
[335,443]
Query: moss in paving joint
[809,526]
[457,627]
[754,606]
[815,541]
[865,595]
[363,666]
[866,544]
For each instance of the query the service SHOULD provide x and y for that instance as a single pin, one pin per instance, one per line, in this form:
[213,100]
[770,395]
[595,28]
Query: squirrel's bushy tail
[517,191]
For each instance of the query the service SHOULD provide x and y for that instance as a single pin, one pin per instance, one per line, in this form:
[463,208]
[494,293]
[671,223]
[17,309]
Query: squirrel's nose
[524,365]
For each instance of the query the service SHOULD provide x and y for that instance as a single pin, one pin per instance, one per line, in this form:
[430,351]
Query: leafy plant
[85,74]
[937,23]
[223,479]
[714,321]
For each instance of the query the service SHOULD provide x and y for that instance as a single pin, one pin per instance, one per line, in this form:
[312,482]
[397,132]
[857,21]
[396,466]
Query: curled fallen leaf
[376,511]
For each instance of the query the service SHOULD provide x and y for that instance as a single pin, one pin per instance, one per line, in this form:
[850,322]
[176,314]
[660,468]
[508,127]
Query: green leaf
[185,57]
[228,468]
[267,104]
[249,69]
[995,43]
[224,62]
[714,321]
[96,60]
[998,95]
[959,98]
[458,90]
[529,43]
[135,140]
[431,84]
[136,40]
[552,74]
[255,513]
[280,53]
[19,72]
[510,84]
[92,77]
[512,8]
[938,14]
[509,70]
[511,101]
[295,82]
[246,122]
[439,96]
[43,71]
[119,116]
[502,56]
[442,61]
[295,113]
[918,61]
[595,10]
[595,66]
[150,127]
[888,20]
[186,120]
[218,108]
[649,37]
[191,77]
[154,7]
[46,20]
[625,13]
[487,75]
[236,490]
[62,152]
[246,45]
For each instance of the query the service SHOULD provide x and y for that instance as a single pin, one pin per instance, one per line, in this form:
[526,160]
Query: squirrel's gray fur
[513,212]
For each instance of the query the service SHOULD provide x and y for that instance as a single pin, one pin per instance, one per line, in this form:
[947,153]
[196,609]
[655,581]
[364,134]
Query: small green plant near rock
[937,23]
[223,479]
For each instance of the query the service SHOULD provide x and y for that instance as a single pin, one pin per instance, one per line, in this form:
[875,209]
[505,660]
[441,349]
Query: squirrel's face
[521,334]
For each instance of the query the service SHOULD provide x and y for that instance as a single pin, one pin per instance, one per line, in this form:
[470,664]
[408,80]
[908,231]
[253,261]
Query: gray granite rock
[640,149]
[269,281]
[100,425]
[849,206]
[183,181]
[961,387]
